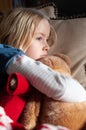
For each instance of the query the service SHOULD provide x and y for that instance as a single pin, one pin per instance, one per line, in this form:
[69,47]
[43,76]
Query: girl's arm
[40,76]
[51,83]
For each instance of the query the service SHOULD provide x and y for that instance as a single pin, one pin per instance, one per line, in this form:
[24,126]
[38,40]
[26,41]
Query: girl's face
[39,43]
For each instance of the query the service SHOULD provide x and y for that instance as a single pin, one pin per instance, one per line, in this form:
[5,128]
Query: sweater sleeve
[40,76]
[51,83]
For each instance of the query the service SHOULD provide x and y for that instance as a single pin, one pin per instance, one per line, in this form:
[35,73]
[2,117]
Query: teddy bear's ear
[64,57]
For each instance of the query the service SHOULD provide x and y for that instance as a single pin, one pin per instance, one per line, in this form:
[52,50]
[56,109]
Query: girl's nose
[46,47]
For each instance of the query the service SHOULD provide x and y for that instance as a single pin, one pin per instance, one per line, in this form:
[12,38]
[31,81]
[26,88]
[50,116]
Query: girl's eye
[39,38]
[47,40]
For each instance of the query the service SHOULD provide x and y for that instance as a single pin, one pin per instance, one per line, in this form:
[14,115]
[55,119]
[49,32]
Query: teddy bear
[40,109]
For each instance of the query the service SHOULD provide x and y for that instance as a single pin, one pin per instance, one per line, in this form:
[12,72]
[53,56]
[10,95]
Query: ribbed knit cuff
[19,82]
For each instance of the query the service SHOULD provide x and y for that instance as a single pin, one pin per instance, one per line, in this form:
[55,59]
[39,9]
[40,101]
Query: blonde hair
[19,25]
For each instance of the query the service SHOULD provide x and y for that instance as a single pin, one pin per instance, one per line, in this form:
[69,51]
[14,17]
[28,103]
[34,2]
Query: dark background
[66,8]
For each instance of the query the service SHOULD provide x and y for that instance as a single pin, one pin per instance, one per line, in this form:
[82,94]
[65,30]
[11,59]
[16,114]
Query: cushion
[72,41]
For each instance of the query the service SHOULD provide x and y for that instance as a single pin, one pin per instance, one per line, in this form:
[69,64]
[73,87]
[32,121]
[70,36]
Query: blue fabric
[7,53]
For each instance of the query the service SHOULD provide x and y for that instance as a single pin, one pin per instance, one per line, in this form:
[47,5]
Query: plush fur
[41,109]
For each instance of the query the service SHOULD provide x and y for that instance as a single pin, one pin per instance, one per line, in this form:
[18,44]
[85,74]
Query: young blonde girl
[25,35]
[19,25]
